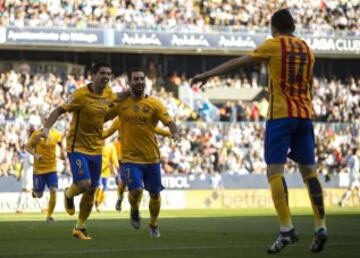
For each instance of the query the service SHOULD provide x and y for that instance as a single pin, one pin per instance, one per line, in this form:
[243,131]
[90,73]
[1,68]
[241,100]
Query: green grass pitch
[184,233]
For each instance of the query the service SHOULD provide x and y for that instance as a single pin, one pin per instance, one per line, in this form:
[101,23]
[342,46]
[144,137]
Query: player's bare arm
[120,96]
[49,122]
[175,134]
[30,148]
[223,69]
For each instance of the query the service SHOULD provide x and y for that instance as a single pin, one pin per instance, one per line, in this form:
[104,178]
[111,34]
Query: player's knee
[37,194]
[84,185]
[52,189]
[136,192]
[307,171]
[155,196]
[91,191]
[274,169]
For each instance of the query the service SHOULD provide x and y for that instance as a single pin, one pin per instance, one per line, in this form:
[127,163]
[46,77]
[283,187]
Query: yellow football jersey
[139,119]
[108,158]
[47,149]
[117,145]
[116,125]
[86,128]
[290,65]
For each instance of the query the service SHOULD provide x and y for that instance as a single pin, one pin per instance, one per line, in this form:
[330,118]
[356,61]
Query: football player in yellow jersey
[290,64]
[88,105]
[109,168]
[44,171]
[139,116]
[115,126]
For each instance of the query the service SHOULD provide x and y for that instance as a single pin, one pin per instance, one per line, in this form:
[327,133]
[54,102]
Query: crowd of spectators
[237,148]
[315,16]
[334,100]
[206,147]
[25,97]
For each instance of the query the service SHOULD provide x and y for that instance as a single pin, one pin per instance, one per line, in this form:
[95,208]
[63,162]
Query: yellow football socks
[154,208]
[317,201]
[102,197]
[279,194]
[86,204]
[72,191]
[99,196]
[52,203]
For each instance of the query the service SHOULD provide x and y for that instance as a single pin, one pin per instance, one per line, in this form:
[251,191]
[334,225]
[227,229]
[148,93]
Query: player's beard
[104,82]
[138,89]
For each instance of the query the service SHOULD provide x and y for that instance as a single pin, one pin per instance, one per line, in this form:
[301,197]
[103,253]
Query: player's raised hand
[176,137]
[122,95]
[199,78]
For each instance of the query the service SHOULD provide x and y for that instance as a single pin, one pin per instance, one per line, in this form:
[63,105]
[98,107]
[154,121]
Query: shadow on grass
[232,236]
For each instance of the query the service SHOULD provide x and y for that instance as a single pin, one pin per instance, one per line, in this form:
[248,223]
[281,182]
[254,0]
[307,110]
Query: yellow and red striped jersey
[290,65]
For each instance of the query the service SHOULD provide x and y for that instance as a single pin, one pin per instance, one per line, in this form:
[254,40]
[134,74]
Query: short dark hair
[283,21]
[97,65]
[133,70]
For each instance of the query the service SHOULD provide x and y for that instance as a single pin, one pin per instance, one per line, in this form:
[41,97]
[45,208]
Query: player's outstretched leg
[135,196]
[51,206]
[154,208]
[118,205]
[98,194]
[69,194]
[86,204]
[317,203]
[279,194]
[121,189]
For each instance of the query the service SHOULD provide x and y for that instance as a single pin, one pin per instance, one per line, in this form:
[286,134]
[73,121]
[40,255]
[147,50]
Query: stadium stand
[323,17]
[24,96]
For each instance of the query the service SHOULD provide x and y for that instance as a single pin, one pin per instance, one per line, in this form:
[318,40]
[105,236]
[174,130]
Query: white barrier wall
[190,199]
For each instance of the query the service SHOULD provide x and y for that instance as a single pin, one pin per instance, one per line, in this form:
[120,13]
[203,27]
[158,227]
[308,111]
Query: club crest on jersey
[136,108]
[145,109]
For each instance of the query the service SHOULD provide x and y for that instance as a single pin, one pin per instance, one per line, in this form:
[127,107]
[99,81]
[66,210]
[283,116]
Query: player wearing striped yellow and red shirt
[290,64]
[116,126]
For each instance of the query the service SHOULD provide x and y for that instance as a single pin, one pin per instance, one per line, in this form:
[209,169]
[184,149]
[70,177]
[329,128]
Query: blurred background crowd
[231,141]
[322,17]
[233,145]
